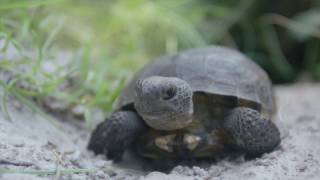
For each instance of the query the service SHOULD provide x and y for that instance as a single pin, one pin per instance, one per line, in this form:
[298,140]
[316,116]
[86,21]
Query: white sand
[32,143]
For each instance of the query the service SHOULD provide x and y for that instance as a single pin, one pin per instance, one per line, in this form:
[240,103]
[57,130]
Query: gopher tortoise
[194,104]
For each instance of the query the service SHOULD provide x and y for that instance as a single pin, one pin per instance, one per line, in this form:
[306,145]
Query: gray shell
[214,70]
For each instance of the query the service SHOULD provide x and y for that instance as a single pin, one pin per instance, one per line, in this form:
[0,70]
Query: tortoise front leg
[251,132]
[113,136]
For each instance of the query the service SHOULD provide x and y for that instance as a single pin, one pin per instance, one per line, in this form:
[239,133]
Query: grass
[62,172]
[44,28]
[101,44]
[109,41]
[50,172]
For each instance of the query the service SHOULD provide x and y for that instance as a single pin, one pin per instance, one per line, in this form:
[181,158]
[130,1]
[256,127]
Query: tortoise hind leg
[113,136]
[251,132]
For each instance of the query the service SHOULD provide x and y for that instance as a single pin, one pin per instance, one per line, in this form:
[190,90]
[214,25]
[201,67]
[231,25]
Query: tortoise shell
[213,70]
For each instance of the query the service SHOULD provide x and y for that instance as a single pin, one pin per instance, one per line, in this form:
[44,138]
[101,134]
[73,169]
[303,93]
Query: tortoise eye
[169,93]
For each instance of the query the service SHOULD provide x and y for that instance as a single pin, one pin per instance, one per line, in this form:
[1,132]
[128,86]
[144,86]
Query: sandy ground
[32,144]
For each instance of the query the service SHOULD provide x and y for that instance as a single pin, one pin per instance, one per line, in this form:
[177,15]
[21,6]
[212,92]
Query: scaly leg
[251,132]
[113,136]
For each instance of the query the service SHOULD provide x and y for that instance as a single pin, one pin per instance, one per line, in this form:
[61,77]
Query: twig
[58,162]
[6,162]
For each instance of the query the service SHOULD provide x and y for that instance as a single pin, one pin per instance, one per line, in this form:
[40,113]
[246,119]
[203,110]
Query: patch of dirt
[32,143]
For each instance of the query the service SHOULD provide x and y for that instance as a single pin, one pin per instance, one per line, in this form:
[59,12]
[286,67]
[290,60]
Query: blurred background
[76,55]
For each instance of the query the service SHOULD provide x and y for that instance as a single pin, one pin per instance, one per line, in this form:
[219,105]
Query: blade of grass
[88,119]
[304,29]
[278,60]
[5,106]
[109,169]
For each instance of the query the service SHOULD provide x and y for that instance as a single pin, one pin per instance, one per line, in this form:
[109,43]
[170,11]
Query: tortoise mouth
[151,114]
[167,122]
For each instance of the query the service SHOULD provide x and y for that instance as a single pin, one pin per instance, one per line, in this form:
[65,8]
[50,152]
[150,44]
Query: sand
[32,147]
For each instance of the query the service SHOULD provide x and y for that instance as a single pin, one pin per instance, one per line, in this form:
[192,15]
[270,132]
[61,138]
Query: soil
[33,147]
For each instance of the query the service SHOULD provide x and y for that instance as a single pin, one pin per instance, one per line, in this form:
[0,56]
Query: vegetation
[96,46]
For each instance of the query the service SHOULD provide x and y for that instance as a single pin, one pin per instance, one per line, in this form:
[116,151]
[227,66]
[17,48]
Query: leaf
[306,24]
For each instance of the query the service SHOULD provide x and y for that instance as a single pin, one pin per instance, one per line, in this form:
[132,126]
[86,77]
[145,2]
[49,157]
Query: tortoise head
[165,103]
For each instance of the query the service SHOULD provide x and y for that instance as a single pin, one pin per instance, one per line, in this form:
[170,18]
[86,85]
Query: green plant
[110,40]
